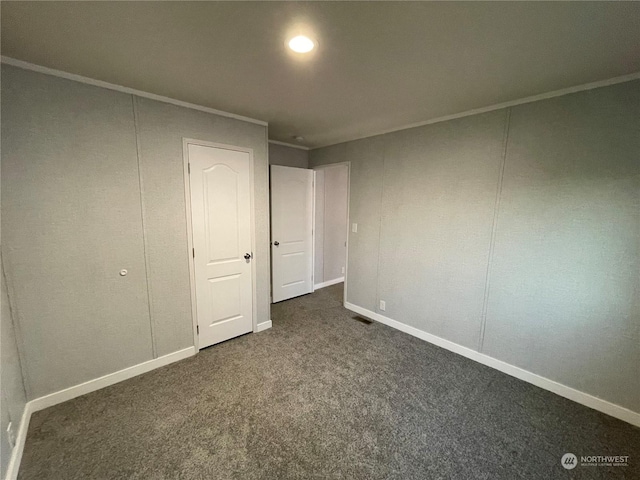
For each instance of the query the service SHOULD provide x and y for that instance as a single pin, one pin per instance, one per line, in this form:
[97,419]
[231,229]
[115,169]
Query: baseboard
[577,396]
[81,389]
[16,453]
[328,283]
[263,326]
[110,379]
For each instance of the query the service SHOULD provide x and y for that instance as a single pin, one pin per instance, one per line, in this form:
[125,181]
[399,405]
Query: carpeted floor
[323,396]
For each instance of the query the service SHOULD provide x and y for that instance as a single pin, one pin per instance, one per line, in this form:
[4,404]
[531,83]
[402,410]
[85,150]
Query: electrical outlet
[343,270]
[354,227]
[383,305]
[11,435]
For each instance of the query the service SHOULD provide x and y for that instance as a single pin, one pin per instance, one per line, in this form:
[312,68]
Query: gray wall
[365,197]
[288,156]
[332,185]
[564,296]
[161,128]
[71,220]
[13,396]
[515,233]
[92,183]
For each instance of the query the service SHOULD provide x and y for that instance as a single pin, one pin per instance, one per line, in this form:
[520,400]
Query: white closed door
[219,181]
[291,232]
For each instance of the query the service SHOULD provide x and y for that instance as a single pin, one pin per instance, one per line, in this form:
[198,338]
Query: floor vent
[366,321]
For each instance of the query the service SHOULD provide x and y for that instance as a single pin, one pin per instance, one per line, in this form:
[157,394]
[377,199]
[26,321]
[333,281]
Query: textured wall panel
[564,291]
[161,128]
[366,157]
[287,156]
[71,220]
[564,298]
[336,186]
[440,185]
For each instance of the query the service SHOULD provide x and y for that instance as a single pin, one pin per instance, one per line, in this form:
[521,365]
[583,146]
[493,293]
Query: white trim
[99,83]
[329,165]
[192,268]
[328,283]
[263,326]
[187,194]
[119,88]
[497,106]
[18,449]
[577,396]
[313,232]
[109,379]
[82,389]
[290,145]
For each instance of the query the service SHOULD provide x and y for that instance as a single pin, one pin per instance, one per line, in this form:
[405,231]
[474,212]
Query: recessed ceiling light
[301,44]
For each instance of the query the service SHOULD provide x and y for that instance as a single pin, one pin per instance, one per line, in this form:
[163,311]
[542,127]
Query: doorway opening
[331,224]
[309,228]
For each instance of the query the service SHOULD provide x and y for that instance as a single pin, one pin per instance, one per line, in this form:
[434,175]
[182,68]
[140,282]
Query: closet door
[220,189]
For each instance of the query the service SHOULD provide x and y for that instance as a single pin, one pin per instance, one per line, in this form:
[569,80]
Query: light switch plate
[354,227]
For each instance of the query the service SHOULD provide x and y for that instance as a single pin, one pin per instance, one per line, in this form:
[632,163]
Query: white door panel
[291,231]
[221,221]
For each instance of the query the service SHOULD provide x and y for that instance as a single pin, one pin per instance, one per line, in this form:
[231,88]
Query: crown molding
[534,98]
[119,88]
[290,145]
[498,106]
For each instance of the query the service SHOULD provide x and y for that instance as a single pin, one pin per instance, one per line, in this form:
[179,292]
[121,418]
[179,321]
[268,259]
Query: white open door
[220,188]
[291,232]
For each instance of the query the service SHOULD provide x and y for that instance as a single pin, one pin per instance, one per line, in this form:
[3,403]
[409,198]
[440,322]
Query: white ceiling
[379,65]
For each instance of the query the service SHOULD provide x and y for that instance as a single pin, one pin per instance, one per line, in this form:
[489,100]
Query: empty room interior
[320,240]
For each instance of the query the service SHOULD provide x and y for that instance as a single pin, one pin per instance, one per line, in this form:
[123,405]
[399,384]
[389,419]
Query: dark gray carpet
[323,396]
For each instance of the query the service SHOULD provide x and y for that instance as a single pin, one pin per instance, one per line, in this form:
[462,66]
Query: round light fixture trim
[301,44]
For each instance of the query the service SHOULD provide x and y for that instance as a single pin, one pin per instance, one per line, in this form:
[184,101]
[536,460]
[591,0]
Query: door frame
[346,257]
[187,197]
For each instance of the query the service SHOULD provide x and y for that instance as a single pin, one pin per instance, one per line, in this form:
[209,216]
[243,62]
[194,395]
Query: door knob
[276,243]
[247,256]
